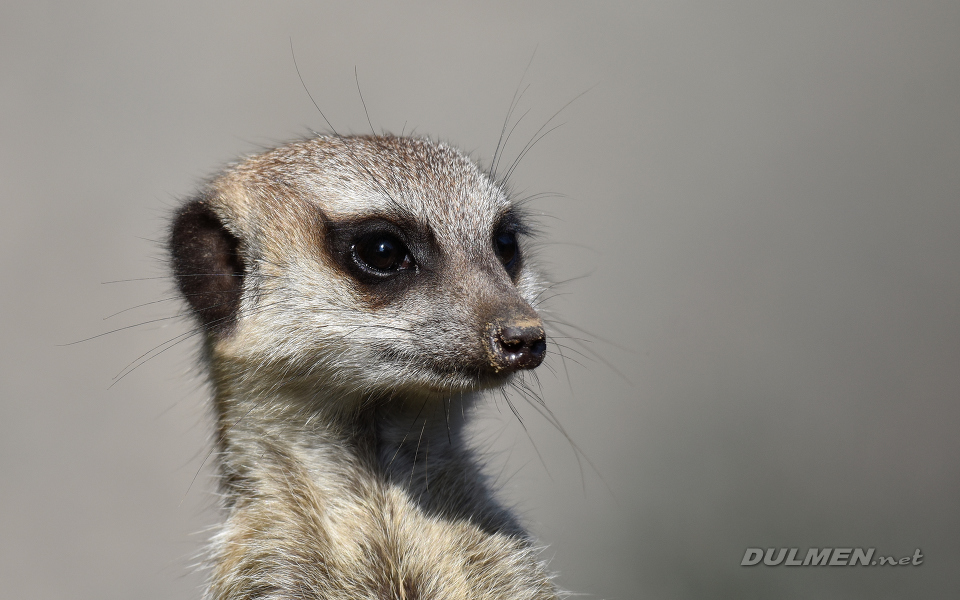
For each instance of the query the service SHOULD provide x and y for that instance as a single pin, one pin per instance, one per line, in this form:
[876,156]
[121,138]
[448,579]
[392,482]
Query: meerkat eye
[382,254]
[505,244]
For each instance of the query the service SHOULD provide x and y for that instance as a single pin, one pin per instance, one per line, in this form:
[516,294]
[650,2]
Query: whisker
[516,413]
[510,134]
[558,321]
[295,66]
[446,417]
[120,376]
[527,148]
[537,137]
[593,355]
[170,299]
[513,102]
[137,363]
[142,323]
[569,349]
[357,79]
[416,453]
[566,369]
[168,277]
[578,452]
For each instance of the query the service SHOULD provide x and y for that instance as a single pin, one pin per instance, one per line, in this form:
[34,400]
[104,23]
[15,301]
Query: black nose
[518,347]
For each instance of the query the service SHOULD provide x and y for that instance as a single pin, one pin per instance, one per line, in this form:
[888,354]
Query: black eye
[505,244]
[382,254]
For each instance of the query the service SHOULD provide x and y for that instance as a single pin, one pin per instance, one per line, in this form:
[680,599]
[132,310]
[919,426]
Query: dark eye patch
[385,255]
[505,243]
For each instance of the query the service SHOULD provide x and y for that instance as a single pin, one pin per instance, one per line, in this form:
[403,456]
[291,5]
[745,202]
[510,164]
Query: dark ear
[207,265]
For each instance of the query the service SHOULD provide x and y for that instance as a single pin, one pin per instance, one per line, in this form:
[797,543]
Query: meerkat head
[375,266]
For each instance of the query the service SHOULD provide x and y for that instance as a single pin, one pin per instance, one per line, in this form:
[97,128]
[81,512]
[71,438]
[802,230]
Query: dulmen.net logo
[826,557]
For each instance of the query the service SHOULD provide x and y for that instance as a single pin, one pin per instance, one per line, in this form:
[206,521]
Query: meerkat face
[377,265]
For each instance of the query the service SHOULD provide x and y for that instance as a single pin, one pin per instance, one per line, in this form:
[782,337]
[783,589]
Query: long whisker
[142,323]
[509,135]
[168,277]
[516,413]
[554,341]
[513,103]
[356,77]
[162,300]
[537,137]
[295,66]
[552,419]
[591,354]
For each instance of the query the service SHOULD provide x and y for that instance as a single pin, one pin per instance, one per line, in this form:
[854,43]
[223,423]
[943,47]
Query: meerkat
[357,294]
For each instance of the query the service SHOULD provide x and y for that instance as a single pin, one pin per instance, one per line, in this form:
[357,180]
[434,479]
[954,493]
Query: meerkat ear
[207,265]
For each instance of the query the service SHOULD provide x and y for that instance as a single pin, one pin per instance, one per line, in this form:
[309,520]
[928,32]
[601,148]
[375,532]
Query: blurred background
[762,199]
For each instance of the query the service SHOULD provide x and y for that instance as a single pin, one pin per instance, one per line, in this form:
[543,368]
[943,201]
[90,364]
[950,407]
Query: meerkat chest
[366,538]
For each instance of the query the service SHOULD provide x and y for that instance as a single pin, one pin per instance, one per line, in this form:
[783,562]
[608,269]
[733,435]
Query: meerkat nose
[519,346]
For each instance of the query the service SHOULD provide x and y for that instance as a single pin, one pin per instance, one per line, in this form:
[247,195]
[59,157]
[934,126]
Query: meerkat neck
[414,446]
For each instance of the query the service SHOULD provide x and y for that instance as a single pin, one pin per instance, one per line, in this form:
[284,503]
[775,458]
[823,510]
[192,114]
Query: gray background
[765,197]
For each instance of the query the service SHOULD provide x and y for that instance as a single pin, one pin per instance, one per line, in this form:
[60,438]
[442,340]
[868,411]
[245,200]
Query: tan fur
[340,407]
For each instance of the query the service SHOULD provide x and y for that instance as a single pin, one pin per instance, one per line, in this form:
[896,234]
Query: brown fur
[340,396]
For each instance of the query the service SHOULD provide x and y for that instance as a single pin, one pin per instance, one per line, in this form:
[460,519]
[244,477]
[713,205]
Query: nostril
[511,343]
[539,347]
